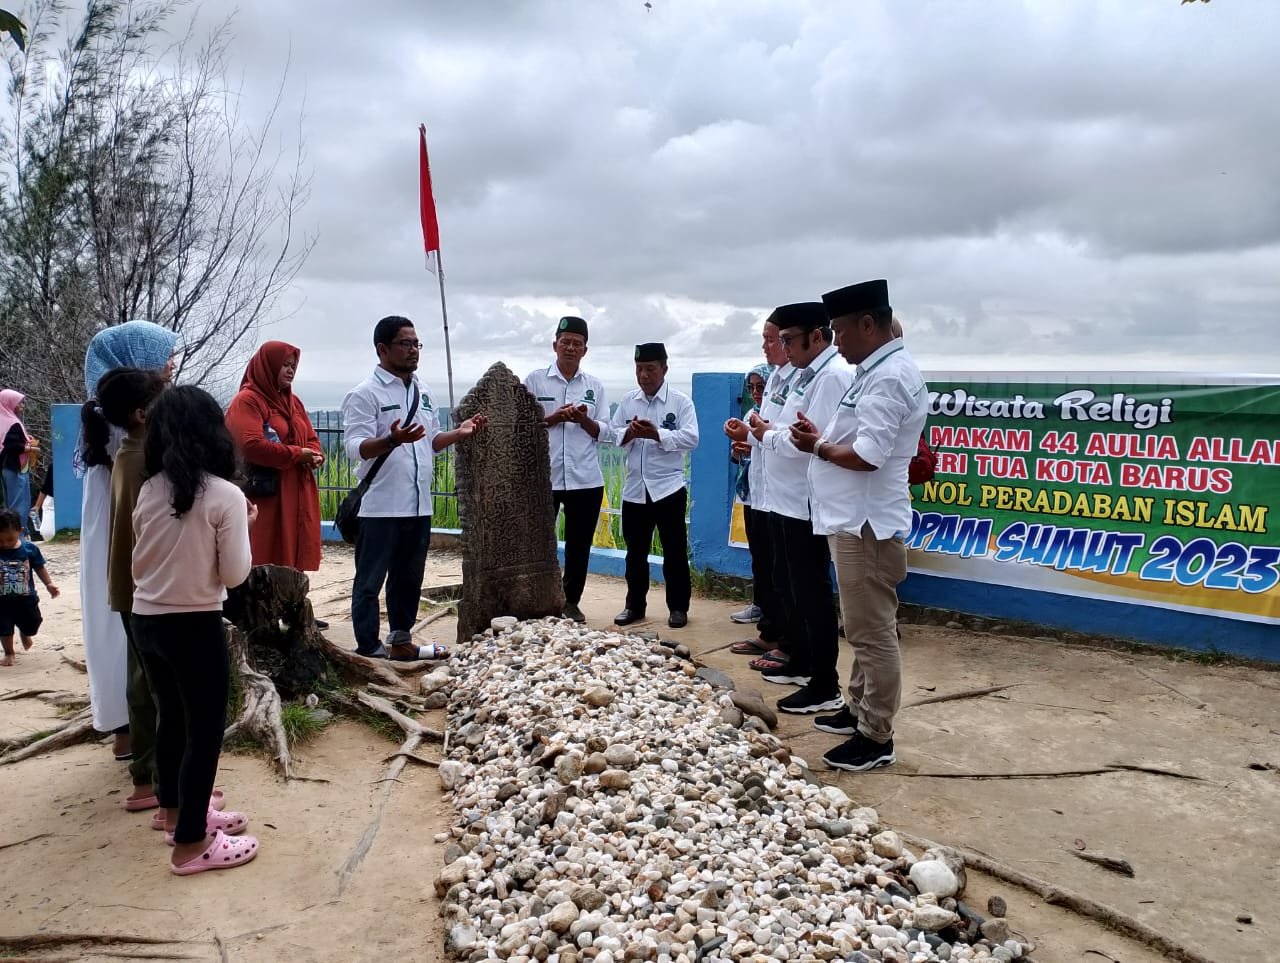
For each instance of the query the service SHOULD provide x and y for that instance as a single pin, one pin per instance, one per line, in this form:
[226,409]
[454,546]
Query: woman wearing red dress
[274,435]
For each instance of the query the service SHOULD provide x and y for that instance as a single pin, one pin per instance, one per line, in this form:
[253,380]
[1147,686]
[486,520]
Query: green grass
[715,585]
[337,477]
[381,725]
[300,723]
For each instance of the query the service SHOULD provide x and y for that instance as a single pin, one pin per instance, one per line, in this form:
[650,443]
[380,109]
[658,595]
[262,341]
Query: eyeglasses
[786,339]
[408,345]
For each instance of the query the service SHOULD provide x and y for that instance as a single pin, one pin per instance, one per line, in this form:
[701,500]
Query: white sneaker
[748,615]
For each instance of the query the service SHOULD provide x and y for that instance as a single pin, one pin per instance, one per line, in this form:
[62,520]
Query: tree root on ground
[1111,918]
[1109,769]
[260,714]
[447,608]
[354,666]
[77,729]
[966,694]
[29,839]
[13,694]
[40,941]
[414,735]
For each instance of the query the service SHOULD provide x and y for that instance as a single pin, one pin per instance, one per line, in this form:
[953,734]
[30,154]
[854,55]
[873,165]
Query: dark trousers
[638,523]
[142,711]
[804,572]
[774,615]
[391,551]
[186,659]
[581,513]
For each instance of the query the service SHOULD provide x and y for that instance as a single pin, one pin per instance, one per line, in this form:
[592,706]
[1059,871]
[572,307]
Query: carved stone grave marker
[503,478]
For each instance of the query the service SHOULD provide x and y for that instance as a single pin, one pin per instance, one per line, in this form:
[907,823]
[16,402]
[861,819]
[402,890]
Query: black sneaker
[860,754]
[785,676]
[571,611]
[843,723]
[806,700]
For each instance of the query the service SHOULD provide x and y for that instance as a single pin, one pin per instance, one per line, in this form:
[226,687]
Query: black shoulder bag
[347,518]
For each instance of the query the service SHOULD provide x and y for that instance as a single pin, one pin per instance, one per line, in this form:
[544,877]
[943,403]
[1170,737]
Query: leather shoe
[678,620]
[627,616]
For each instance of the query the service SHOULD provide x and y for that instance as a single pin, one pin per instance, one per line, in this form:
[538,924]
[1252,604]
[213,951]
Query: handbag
[261,481]
[347,518]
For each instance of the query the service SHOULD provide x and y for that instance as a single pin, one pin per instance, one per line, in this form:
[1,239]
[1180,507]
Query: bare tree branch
[136,188]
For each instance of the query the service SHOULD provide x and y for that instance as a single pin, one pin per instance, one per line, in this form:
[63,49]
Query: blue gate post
[716,397]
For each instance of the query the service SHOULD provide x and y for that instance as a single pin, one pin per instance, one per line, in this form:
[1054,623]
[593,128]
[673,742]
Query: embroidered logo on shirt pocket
[669,422]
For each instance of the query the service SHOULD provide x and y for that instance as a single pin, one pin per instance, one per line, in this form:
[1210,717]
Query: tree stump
[273,613]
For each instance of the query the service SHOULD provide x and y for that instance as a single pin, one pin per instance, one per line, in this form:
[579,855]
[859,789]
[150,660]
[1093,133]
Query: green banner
[1162,494]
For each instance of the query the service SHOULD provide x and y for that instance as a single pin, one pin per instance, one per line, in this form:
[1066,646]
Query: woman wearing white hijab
[135,344]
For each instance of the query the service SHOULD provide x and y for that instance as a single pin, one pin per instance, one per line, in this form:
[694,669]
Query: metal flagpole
[431,243]
[444,313]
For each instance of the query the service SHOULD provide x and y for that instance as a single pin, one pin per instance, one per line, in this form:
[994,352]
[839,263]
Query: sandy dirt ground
[1204,851]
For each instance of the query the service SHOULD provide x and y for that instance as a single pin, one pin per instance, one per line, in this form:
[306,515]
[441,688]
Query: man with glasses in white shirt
[577,416]
[657,426]
[862,503]
[390,413]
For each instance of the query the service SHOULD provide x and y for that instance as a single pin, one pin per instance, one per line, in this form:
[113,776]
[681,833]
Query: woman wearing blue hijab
[134,344]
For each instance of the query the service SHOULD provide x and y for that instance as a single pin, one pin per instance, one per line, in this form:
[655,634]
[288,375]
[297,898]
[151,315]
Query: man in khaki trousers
[861,501]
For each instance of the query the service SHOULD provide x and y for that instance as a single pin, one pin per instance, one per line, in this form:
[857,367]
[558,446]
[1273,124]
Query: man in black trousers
[657,426]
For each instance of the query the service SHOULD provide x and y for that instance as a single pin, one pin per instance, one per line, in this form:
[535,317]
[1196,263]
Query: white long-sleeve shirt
[881,416]
[656,467]
[776,390]
[575,460]
[402,488]
[815,391]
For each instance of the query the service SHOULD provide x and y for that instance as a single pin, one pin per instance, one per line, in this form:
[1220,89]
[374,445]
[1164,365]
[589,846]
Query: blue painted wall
[712,477]
[715,395]
[67,489]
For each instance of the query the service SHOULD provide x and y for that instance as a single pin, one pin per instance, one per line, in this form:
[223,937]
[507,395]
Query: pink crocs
[225,852]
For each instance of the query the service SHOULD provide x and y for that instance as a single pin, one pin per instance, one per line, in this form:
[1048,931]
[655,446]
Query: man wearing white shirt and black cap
[657,425]
[577,420]
[862,503]
[821,379]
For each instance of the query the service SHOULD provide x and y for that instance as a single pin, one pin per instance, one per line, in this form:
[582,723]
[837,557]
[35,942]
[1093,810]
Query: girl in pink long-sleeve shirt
[191,531]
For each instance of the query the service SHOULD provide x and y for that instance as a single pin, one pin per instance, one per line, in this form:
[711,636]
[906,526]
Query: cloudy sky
[1085,183]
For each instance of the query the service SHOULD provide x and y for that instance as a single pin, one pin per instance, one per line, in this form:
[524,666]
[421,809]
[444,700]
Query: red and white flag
[430,226]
